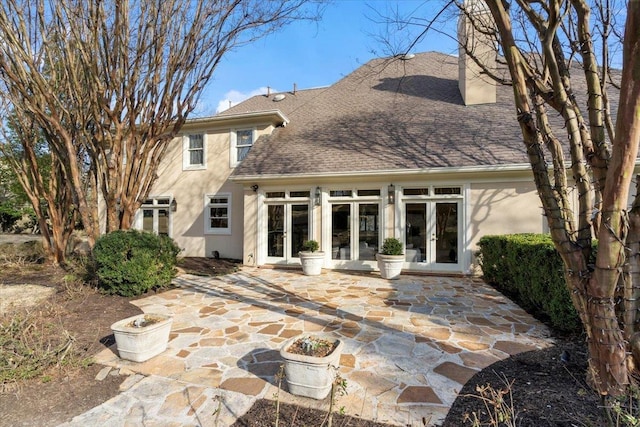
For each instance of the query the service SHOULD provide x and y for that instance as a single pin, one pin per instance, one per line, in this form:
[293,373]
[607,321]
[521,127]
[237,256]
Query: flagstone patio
[410,345]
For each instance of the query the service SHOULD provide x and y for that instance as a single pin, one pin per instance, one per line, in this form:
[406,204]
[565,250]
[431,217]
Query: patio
[410,345]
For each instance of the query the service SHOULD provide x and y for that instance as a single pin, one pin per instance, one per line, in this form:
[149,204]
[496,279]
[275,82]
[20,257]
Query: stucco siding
[503,208]
[190,188]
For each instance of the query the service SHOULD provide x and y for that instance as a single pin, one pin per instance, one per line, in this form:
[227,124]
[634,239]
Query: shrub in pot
[311,258]
[390,258]
[310,364]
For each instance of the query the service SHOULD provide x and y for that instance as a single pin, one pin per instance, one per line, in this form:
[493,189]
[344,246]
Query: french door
[355,231]
[155,216]
[433,234]
[287,229]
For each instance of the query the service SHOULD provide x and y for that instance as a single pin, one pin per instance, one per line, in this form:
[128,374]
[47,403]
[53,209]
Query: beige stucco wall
[502,208]
[189,188]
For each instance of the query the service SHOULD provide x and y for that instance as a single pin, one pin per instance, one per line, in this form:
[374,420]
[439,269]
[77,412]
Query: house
[420,147]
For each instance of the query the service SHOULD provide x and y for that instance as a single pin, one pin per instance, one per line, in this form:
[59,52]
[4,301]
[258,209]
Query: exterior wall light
[174,205]
[317,197]
[254,187]
[391,190]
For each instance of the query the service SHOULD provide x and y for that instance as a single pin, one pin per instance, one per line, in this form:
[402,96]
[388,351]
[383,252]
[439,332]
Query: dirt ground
[545,390]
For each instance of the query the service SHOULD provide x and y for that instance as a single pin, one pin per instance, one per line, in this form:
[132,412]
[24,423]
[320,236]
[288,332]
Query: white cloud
[234,97]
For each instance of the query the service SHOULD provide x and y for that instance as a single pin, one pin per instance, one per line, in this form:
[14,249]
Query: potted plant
[141,337]
[310,364]
[311,258]
[391,258]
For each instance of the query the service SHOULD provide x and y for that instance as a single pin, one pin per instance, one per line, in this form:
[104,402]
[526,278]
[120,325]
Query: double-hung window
[241,143]
[218,213]
[194,151]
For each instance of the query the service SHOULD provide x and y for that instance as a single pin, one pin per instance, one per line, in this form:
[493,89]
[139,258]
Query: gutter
[517,167]
[284,120]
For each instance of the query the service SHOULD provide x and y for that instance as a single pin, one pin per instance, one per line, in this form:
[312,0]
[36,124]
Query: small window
[275,195]
[194,151]
[218,214]
[446,190]
[241,142]
[363,193]
[415,191]
[299,194]
[341,193]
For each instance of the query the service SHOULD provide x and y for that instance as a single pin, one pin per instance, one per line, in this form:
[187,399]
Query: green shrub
[391,246]
[310,246]
[528,269]
[130,263]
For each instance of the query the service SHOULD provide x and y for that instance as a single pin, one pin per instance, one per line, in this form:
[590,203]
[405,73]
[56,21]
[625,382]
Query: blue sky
[314,54]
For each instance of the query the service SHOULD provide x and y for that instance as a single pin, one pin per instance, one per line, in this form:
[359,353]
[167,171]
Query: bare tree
[110,83]
[548,49]
[40,174]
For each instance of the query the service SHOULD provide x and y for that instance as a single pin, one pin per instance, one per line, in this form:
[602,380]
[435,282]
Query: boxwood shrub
[130,263]
[528,269]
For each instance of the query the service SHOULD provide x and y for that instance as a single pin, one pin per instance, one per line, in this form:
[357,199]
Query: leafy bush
[391,246]
[310,246]
[528,269]
[132,262]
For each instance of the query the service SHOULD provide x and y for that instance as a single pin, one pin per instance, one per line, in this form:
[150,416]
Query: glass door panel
[163,222]
[147,220]
[275,231]
[299,228]
[416,232]
[341,231]
[368,232]
[446,230]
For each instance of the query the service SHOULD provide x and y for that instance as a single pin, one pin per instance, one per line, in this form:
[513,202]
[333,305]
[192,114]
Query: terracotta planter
[141,337]
[311,262]
[311,376]
[390,266]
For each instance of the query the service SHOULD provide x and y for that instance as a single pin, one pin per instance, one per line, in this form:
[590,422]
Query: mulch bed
[263,414]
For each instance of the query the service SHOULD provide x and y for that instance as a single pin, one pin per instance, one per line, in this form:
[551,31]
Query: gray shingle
[386,115]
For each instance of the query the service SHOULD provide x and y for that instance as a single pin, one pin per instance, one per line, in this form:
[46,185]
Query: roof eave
[516,167]
[275,116]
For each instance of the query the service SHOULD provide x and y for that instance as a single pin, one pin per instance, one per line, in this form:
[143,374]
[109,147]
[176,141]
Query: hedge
[130,263]
[528,269]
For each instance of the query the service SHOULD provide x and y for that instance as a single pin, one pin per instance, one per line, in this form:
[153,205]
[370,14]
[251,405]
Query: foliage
[528,269]
[391,246]
[625,410]
[9,214]
[310,246]
[132,262]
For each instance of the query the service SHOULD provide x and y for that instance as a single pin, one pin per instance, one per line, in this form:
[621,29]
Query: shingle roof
[386,116]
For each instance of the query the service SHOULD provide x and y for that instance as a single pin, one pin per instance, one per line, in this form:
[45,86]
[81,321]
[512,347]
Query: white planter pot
[311,262]
[140,343]
[311,376]
[390,265]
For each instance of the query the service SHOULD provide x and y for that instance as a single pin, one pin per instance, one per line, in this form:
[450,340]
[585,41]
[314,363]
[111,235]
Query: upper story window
[194,152]
[241,143]
[218,213]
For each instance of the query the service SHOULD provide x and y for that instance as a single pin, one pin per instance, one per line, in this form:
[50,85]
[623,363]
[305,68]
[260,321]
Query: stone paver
[410,344]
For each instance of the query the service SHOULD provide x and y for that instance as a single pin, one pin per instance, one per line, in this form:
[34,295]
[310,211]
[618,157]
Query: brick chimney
[475,88]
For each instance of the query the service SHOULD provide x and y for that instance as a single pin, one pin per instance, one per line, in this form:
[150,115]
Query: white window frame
[207,213]
[233,145]
[186,156]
